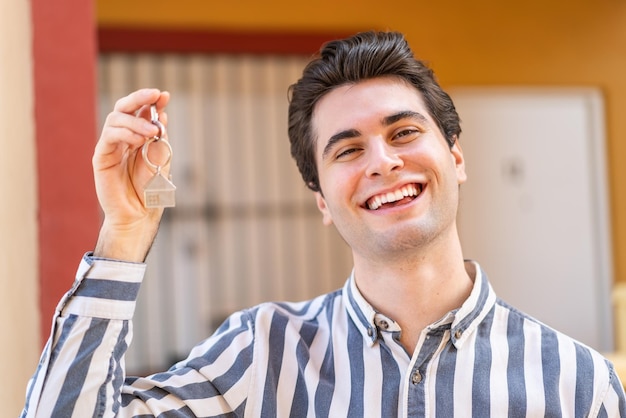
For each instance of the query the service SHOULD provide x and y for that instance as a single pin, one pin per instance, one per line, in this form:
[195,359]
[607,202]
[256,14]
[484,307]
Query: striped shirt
[333,356]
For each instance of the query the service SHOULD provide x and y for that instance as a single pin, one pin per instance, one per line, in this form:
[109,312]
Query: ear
[459,161]
[327,219]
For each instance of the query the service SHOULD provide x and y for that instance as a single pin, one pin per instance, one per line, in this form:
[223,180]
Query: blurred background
[245,229]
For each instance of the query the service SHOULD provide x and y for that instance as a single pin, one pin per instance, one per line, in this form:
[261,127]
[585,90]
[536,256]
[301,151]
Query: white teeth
[378,201]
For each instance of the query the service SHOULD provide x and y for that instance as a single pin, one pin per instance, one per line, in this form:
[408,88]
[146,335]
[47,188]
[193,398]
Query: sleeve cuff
[104,288]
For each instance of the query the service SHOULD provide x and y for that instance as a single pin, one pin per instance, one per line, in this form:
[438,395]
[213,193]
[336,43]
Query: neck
[415,289]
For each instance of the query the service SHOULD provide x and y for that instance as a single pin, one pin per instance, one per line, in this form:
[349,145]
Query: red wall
[64,52]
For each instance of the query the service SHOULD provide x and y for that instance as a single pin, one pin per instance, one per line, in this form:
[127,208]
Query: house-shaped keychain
[159,192]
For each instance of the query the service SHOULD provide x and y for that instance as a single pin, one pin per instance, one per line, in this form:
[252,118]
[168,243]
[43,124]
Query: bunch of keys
[159,191]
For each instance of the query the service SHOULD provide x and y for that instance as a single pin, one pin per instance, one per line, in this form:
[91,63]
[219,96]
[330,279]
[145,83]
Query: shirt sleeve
[81,371]
[614,402]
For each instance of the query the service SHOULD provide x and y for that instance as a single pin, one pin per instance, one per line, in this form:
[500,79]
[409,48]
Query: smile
[403,194]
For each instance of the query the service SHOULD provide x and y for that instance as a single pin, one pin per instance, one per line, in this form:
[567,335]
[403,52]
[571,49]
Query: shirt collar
[475,308]
[463,320]
[361,312]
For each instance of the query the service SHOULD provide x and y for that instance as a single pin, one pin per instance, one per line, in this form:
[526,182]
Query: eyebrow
[386,121]
[348,133]
[405,114]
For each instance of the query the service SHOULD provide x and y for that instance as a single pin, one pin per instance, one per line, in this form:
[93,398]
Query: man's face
[389,180]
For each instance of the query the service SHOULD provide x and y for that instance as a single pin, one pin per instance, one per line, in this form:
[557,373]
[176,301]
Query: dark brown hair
[361,57]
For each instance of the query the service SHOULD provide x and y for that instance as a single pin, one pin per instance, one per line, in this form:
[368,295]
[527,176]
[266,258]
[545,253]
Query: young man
[416,330]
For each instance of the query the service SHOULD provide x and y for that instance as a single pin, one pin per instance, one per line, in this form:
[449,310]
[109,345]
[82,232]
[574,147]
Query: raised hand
[120,175]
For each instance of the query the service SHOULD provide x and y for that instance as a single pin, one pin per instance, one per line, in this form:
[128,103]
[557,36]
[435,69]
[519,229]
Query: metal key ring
[161,134]
[144,154]
[154,118]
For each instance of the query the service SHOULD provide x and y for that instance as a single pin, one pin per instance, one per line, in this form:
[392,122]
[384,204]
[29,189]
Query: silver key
[159,191]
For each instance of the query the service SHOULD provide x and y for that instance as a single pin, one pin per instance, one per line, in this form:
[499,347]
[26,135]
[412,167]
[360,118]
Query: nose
[383,158]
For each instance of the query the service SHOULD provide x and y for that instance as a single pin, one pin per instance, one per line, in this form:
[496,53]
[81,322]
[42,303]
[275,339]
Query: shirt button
[416,378]
[370,332]
[458,333]
[384,324]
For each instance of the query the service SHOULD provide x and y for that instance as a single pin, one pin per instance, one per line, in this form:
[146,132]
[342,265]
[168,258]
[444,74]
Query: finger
[132,123]
[160,103]
[136,100]
[113,137]
[163,100]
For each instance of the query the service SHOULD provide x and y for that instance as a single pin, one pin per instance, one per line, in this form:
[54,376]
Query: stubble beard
[407,242]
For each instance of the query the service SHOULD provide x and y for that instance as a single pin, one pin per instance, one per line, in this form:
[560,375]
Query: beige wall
[485,42]
[19,311]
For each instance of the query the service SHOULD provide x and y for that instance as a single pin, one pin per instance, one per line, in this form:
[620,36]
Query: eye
[347,153]
[406,135]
